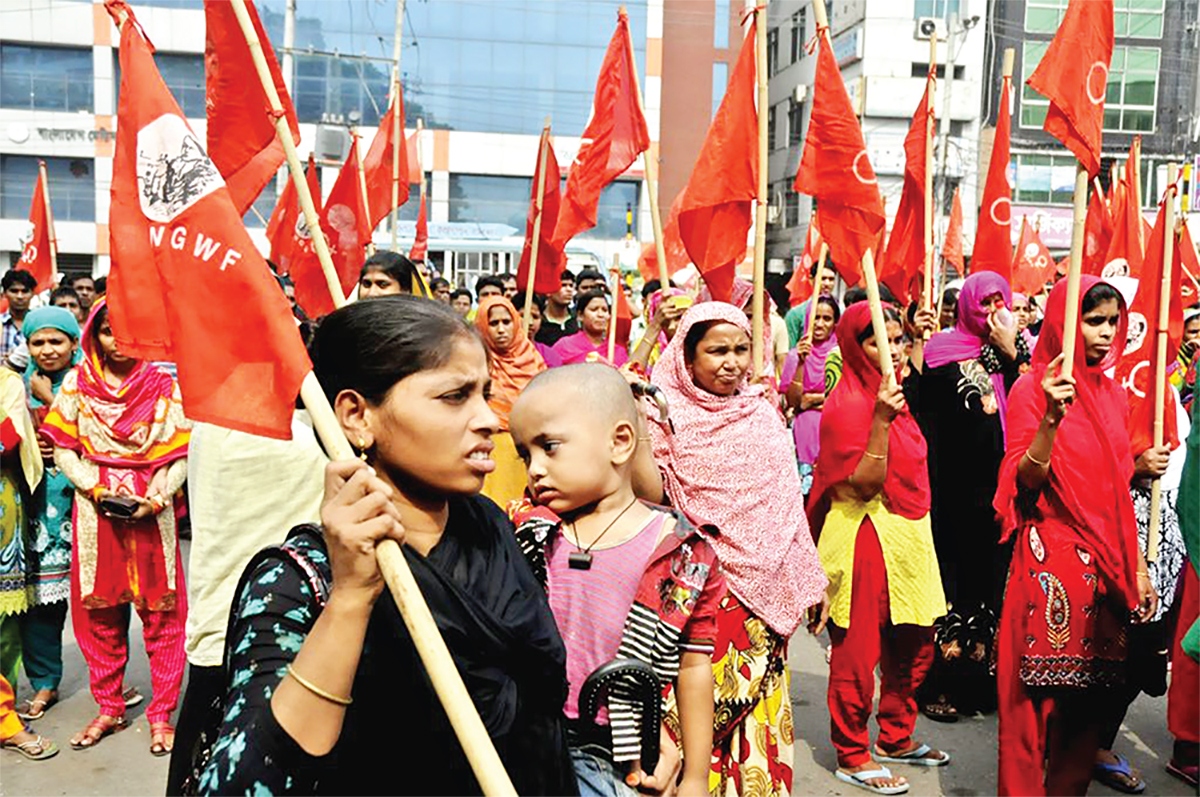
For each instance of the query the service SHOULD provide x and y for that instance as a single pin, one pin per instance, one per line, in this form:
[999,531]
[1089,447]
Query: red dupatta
[1087,490]
[846,424]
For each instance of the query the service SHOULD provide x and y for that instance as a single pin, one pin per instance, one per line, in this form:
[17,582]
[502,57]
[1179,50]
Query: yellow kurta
[914,582]
[507,482]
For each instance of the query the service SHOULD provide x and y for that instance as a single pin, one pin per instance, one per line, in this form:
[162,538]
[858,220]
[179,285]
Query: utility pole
[397,46]
[288,66]
[944,133]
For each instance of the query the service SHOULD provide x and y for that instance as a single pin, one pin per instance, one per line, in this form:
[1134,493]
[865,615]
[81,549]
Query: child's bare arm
[694,696]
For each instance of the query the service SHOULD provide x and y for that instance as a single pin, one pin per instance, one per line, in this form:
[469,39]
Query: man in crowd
[510,285]
[489,285]
[440,288]
[68,299]
[590,280]
[460,302]
[559,319]
[18,285]
[85,288]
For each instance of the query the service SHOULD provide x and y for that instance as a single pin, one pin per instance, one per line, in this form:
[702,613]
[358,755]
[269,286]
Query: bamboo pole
[539,192]
[362,185]
[1075,269]
[816,294]
[927,300]
[878,323]
[760,208]
[1160,354]
[650,169]
[397,136]
[612,314]
[284,134]
[49,223]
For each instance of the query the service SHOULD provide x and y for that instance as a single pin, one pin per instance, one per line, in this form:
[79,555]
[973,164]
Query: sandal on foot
[35,708]
[38,748]
[919,756]
[160,734]
[106,726]
[1118,775]
[1187,773]
[860,779]
[132,697]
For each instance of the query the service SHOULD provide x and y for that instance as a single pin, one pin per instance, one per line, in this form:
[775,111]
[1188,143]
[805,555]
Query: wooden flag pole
[760,209]
[612,315]
[49,223]
[878,323]
[284,134]
[397,136]
[816,294]
[539,183]
[362,184]
[927,300]
[440,667]
[650,169]
[1161,339]
[1071,317]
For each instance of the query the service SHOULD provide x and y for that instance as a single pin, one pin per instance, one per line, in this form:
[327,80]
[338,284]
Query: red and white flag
[241,130]
[187,283]
[377,164]
[37,251]
[993,233]
[287,229]
[549,266]
[1032,263]
[1098,232]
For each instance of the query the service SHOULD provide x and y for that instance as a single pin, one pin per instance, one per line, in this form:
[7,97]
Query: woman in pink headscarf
[727,460]
[963,394]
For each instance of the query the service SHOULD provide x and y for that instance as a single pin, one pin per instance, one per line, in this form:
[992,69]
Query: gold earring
[362,449]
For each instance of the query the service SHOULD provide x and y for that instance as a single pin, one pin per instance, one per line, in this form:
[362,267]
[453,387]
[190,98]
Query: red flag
[624,313]
[377,164]
[1138,370]
[286,229]
[714,215]
[1097,233]
[852,214]
[906,246]
[549,266]
[241,131]
[36,252]
[1073,75]
[614,137]
[993,232]
[952,249]
[800,286]
[673,248]
[1123,256]
[415,173]
[1032,263]
[187,283]
[1189,262]
[420,247]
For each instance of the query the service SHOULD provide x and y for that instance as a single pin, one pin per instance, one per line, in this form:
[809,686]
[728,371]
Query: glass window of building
[720,79]
[1043,178]
[797,48]
[493,199]
[942,9]
[44,78]
[264,206]
[184,75]
[772,139]
[721,25]
[1132,95]
[72,187]
[795,122]
[773,51]
[1137,19]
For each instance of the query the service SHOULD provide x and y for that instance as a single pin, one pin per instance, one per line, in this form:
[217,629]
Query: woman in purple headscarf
[963,390]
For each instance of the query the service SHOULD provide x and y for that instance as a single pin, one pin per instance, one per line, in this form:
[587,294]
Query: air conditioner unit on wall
[332,143]
[928,27]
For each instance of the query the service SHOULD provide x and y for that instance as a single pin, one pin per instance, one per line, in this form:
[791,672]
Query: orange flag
[852,215]
[624,314]
[1032,263]
[1073,75]
[673,248]
[800,286]
[614,137]
[952,249]
[1123,256]
[377,164]
[187,283]
[241,131]
[714,214]
[549,266]
[905,258]
[420,247]
[993,233]
[1138,370]
[1189,263]
[1097,233]
[287,230]
[35,252]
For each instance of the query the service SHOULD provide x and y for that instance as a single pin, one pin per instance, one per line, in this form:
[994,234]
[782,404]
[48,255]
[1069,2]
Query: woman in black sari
[329,696]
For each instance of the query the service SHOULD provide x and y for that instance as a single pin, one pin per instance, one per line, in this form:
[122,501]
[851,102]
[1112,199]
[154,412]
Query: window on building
[795,122]
[1137,19]
[184,75]
[1043,178]
[264,205]
[720,79]
[721,25]
[72,187]
[494,199]
[942,9]
[46,78]
[772,139]
[791,207]
[798,22]
[773,51]
[1131,98]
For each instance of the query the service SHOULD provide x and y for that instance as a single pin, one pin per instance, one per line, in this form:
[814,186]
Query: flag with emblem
[37,249]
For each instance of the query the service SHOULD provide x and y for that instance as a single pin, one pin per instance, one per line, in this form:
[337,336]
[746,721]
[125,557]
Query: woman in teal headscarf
[52,335]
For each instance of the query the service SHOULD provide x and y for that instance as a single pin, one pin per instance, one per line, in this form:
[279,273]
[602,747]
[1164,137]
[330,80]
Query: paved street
[122,764]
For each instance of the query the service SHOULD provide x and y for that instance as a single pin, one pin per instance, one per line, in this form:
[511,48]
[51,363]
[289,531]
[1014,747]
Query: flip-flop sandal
[44,748]
[860,779]
[917,757]
[1110,776]
[35,708]
[160,731]
[106,729]
[1188,774]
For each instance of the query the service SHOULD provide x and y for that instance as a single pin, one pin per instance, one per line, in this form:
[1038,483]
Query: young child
[625,579]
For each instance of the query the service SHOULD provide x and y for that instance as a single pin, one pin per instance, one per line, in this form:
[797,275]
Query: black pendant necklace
[581,558]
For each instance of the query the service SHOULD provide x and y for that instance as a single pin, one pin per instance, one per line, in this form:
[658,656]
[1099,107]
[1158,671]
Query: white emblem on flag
[1137,332]
[173,171]
[1117,267]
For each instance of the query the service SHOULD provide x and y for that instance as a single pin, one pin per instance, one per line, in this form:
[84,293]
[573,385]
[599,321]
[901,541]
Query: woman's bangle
[879,457]
[318,691]
[1036,461]
[1145,573]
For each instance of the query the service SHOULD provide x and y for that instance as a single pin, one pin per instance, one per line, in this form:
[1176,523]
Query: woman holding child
[727,459]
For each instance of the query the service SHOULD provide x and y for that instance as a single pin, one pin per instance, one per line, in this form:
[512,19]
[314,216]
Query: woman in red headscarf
[1076,573]
[870,501]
